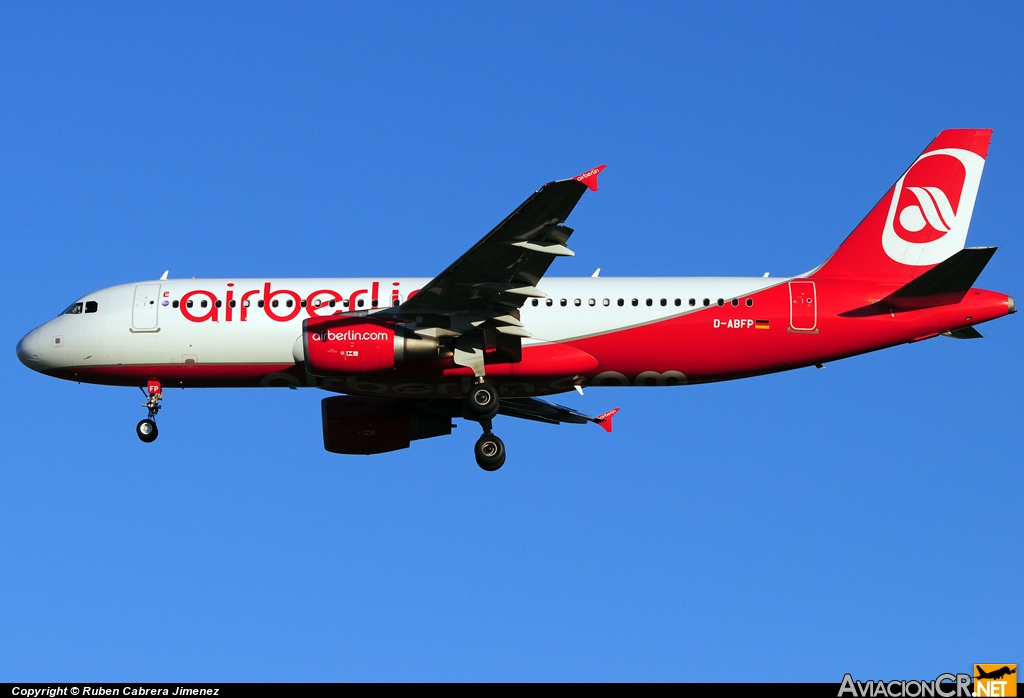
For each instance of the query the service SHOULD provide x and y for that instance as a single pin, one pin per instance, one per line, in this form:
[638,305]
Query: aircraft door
[803,306]
[144,310]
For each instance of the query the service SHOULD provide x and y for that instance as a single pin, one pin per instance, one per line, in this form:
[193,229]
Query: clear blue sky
[864,518]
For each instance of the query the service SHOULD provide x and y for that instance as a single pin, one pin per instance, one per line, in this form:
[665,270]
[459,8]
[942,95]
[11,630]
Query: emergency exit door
[144,310]
[803,306]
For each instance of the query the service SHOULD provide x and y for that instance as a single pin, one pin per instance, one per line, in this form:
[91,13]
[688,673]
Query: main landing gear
[482,406]
[146,429]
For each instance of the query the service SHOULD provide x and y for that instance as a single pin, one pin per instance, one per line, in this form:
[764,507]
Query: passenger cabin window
[591,302]
[693,302]
[188,304]
[535,303]
[91,306]
[259,303]
[302,303]
[216,304]
[650,302]
[174,304]
[664,301]
[563,302]
[735,302]
[360,303]
[750,302]
[577,302]
[332,302]
[636,302]
[232,303]
[549,302]
[721,302]
[273,303]
[707,302]
[621,302]
[606,302]
[75,309]
[289,303]
[679,301]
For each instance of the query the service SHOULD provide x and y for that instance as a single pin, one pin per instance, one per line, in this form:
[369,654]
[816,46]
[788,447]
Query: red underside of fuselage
[704,345]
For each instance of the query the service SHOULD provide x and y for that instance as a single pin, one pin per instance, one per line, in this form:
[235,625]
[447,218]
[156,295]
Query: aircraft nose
[28,350]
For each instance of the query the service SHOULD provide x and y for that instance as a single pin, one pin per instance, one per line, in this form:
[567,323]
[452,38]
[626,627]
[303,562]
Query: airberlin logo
[348,336]
[931,207]
[281,304]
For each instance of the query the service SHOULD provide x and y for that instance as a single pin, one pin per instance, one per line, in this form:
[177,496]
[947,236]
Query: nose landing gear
[482,406]
[146,429]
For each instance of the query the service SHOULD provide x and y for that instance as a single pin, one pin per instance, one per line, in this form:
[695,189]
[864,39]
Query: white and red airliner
[491,334]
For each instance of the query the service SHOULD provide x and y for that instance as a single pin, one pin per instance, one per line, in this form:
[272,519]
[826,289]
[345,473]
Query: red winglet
[605,420]
[590,177]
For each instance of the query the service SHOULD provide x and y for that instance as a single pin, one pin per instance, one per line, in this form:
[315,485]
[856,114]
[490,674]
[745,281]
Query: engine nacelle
[364,425]
[341,346]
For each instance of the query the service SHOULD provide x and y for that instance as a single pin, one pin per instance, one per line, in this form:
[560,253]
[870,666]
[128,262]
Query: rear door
[145,308]
[803,306]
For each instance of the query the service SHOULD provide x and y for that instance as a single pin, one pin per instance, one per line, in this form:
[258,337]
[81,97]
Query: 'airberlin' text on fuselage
[280,305]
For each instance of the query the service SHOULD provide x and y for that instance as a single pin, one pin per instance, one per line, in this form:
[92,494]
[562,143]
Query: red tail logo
[926,212]
[931,207]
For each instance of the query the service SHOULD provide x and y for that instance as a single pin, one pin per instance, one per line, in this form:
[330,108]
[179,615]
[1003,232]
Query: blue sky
[791,527]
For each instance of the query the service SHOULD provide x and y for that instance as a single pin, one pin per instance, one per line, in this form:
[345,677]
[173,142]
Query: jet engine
[340,346]
[365,425]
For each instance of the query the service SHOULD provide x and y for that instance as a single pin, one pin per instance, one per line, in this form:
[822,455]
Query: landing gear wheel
[490,452]
[147,431]
[482,401]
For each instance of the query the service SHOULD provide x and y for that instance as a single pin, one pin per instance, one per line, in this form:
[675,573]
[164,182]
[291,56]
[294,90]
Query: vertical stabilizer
[923,219]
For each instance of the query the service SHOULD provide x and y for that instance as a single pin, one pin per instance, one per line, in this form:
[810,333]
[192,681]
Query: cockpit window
[75,309]
[91,306]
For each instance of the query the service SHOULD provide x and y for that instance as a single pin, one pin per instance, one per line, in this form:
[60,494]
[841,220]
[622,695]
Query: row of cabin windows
[79,308]
[636,301]
[275,303]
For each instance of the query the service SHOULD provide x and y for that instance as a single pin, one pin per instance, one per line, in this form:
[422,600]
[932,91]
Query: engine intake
[339,346]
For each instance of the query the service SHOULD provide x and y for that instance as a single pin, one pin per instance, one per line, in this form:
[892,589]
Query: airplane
[995,674]
[492,335]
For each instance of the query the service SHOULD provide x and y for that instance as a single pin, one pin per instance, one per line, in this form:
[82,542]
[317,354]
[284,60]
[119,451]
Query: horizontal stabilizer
[944,284]
[964,333]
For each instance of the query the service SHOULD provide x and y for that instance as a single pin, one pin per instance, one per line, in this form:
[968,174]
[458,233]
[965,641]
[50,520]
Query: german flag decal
[762,325]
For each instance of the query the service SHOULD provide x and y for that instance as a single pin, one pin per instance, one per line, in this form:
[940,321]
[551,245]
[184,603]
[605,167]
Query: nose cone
[29,350]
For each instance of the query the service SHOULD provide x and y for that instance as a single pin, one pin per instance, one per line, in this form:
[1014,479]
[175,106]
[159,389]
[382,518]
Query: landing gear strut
[146,429]
[482,406]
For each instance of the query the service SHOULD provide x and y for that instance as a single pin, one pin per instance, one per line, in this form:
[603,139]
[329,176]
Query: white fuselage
[139,323]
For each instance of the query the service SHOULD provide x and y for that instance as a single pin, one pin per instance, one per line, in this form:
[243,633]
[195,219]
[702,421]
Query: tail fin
[923,219]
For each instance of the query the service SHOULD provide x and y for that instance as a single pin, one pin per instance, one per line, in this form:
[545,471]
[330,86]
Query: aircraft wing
[502,270]
[550,413]
[474,303]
